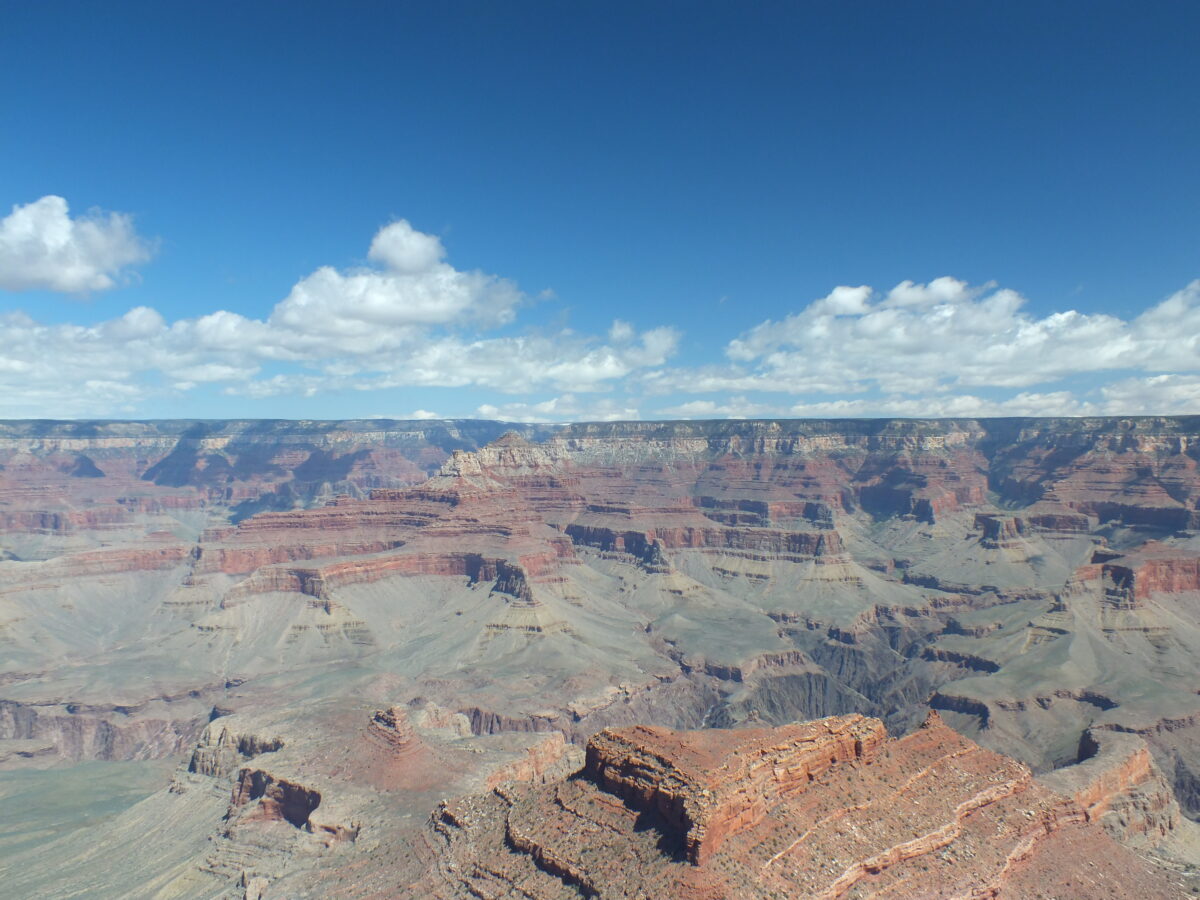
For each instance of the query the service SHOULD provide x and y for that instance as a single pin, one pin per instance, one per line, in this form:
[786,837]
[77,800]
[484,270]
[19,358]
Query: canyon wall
[333,625]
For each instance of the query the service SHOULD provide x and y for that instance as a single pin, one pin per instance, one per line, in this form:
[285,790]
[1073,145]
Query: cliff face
[1140,470]
[68,732]
[746,475]
[221,749]
[710,785]
[828,809]
[1155,568]
[79,478]
[1118,784]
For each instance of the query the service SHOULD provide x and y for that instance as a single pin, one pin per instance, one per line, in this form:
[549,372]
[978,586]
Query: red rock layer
[756,490]
[278,799]
[711,784]
[1119,785]
[1153,569]
[391,755]
[930,815]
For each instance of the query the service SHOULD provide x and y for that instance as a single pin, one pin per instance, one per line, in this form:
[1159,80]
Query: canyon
[468,658]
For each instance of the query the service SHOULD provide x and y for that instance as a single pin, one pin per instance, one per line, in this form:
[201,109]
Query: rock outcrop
[222,749]
[709,785]
[1118,784]
[828,809]
[277,798]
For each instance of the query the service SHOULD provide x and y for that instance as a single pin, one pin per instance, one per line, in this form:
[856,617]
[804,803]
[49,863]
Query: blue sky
[594,210]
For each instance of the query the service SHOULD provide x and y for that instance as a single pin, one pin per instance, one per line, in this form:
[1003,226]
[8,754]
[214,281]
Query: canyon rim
[848,658]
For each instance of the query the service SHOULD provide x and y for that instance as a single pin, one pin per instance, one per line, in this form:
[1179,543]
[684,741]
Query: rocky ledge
[825,809]
[710,784]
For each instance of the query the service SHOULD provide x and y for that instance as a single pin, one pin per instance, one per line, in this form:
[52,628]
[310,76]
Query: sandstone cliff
[829,809]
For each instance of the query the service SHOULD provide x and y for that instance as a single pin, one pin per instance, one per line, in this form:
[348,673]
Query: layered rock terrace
[826,809]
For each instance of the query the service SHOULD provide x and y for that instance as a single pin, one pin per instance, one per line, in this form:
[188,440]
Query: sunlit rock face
[830,808]
[334,626]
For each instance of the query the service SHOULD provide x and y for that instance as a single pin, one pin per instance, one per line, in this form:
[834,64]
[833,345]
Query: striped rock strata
[827,809]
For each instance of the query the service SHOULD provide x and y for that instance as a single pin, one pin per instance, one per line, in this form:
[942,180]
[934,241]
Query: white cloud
[415,321]
[417,414]
[43,248]
[845,301]
[566,408]
[1056,403]
[139,322]
[413,288]
[410,319]
[944,336]
[562,360]
[732,408]
[940,290]
[1158,395]
[620,332]
[402,248]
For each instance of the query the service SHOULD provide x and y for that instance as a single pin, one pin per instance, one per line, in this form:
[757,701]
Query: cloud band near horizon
[407,321]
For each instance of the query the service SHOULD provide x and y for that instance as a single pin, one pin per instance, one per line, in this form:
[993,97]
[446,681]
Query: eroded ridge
[708,785]
[830,809]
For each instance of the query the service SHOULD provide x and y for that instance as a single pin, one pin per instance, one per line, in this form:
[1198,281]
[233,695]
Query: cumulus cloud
[412,288]
[43,248]
[1055,403]
[1154,395]
[402,248]
[410,320]
[844,301]
[1160,394]
[943,336]
[620,332]
[940,290]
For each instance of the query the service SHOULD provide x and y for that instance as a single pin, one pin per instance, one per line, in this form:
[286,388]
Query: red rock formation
[549,757]
[94,563]
[141,559]
[690,525]
[1067,523]
[1119,775]
[999,531]
[928,815]
[318,581]
[1129,580]
[712,784]
[49,522]
[242,560]
[278,799]
[391,754]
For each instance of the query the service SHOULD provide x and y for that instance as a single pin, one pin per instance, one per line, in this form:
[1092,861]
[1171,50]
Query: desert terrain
[377,658]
